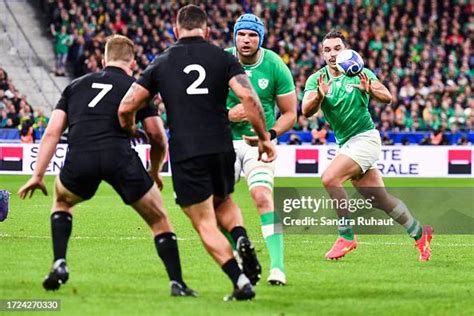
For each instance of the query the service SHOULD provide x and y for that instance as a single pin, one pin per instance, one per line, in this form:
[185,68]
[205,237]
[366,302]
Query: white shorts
[256,172]
[364,149]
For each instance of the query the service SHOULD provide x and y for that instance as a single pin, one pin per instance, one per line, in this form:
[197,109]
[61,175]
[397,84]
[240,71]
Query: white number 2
[193,88]
[105,89]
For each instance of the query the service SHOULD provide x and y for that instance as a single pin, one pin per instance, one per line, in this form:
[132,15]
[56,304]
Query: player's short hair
[335,34]
[191,17]
[119,47]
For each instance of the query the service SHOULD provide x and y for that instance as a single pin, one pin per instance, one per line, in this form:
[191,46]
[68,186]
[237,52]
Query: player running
[344,102]
[98,149]
[193,78]
[273,82]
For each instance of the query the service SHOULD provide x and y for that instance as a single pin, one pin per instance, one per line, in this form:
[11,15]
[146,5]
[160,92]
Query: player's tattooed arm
[242,87]
[135,98]
[243,80]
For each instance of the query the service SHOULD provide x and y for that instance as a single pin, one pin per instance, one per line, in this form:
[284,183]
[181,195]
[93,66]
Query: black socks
[232,269]
[61,226]
[167,247]
[237,232]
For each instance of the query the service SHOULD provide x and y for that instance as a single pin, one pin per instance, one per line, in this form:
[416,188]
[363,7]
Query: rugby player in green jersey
[273,82]
[344,101]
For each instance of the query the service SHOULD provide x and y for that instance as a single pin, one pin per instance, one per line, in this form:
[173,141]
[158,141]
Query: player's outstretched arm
[53,132]
[311,103]
[159,146]
[287,105]
[374,88]
[380,93]
[312,99]
[134,99]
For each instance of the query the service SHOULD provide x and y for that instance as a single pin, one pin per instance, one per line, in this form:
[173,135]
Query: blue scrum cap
[250,21]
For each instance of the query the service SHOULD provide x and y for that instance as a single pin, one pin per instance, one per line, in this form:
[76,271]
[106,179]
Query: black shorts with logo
[120,167]
[197,178]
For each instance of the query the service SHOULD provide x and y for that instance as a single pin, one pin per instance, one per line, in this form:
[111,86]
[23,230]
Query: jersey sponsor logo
[306,160]
[349,88]
[263,83]
[460,161]
[11,158]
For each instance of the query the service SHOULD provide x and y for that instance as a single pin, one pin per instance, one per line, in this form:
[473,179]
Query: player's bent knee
[328,179]
[262,197]
[150,206]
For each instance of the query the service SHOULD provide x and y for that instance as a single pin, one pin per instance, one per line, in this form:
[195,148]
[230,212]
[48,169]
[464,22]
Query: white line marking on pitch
[3,235]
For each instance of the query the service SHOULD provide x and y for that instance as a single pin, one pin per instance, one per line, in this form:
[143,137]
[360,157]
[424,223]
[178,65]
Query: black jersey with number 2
[192,77]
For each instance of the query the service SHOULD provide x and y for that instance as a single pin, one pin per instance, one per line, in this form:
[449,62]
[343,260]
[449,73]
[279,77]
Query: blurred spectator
[463,141]
[40,123]
[3,117]
[26,132]
[294,139]
[62,41]
[319,135]
[302,124]
[386,141]
[438,138]
[4,86]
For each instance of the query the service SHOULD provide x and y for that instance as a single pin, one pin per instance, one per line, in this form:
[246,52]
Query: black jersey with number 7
[91,103]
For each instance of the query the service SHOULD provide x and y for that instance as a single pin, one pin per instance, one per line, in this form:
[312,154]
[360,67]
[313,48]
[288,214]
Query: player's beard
[248,55]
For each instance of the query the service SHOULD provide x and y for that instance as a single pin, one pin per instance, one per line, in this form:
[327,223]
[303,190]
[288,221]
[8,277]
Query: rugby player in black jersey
[99,149]
[193,79]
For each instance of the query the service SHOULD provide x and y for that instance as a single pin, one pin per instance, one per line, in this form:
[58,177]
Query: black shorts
[121,168]
[197,178]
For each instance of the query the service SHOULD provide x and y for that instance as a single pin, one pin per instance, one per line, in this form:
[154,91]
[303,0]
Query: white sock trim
[272,229]
[242,281]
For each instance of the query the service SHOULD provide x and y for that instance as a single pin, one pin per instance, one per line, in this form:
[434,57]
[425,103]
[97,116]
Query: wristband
[273,134]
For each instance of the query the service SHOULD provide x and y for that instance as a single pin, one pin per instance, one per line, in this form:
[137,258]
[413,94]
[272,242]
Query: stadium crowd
[17,113]
[421,50]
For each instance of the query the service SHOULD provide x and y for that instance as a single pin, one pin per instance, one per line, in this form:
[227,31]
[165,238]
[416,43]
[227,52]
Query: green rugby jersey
[270,78]
[344,107]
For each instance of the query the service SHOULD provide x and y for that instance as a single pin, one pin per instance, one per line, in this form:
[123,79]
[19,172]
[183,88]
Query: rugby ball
[349,62]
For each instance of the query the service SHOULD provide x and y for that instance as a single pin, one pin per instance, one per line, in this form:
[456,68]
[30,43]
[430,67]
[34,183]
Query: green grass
[115,269]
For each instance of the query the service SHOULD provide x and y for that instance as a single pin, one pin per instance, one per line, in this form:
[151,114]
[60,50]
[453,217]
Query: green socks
[273,235]
[347,232]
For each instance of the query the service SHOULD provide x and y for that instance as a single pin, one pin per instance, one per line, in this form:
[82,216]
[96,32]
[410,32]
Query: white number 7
[105,89]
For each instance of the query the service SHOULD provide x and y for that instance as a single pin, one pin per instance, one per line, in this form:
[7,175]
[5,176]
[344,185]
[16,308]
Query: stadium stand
[27,90]
[18,120]
[421,50]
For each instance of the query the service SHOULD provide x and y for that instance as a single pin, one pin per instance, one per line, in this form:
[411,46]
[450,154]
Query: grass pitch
[114,268]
